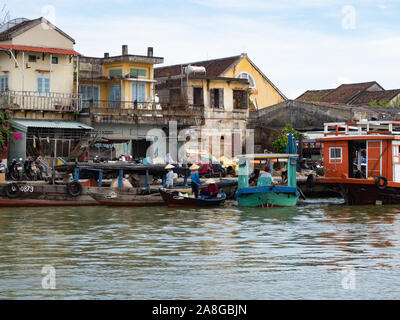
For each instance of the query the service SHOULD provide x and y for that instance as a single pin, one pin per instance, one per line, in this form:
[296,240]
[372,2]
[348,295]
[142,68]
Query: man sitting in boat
[211,191]
[267,174]
[170,176]
[254,178]
[195,178]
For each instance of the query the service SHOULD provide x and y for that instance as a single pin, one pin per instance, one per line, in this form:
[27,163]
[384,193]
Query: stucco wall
[265,94]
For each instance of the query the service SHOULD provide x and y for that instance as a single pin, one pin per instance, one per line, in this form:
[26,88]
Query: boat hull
[362,194]
[172,200]
[267,200]
[124,199]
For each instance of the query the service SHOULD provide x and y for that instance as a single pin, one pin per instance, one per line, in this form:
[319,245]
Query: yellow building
[117,82]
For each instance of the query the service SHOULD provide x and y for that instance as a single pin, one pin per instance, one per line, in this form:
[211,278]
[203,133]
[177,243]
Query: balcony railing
[32,100]
[106,111]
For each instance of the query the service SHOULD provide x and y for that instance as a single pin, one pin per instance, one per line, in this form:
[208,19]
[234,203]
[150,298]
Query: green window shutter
[138,72]
[115,72]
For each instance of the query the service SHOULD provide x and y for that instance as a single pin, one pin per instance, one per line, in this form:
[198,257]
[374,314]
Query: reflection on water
[221,253]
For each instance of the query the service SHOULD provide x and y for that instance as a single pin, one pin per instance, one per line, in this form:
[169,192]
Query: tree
[280,143]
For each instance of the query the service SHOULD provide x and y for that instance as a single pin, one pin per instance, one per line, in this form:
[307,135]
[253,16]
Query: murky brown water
[315,251]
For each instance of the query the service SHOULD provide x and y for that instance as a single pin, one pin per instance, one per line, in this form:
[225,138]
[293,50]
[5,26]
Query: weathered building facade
[228,89]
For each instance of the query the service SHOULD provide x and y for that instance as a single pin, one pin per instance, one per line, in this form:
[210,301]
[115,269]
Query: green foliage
[5,131]
[280,143]
[384,103]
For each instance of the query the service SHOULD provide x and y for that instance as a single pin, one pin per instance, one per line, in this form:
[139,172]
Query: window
[54,60]
[115,72]
[138,72]
[240,99]
[3,83]
[217,98]
[249,77]
[335,155]
[32,58]
[198,96]
[89,92]
[138,92]
[43,84]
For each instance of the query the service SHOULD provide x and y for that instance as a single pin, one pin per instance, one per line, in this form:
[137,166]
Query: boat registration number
[26,188]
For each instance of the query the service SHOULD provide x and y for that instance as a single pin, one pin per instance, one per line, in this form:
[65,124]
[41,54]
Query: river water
[320,250]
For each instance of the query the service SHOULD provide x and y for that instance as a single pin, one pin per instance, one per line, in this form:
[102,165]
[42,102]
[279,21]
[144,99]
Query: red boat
[362,161]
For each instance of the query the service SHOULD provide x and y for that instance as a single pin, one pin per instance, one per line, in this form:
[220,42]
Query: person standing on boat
[170,176]
[195,179]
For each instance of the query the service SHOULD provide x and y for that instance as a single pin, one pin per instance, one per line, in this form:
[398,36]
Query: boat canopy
[261,156]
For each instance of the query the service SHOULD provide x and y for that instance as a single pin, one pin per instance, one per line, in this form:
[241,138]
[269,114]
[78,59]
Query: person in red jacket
[211,191]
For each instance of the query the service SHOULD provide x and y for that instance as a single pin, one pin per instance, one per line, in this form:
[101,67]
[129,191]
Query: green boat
[266,193]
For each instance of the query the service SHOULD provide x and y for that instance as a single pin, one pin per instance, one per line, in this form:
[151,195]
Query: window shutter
[46,85]
[39,84]
[221,98]
[141,92]
[96,96]
[212,98]
[245,101]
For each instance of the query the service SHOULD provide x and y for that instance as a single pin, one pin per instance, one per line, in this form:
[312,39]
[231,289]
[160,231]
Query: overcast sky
[298,44]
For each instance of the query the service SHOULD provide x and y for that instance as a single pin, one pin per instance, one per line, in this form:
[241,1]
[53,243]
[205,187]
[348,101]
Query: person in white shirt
[170,176]
[267,173]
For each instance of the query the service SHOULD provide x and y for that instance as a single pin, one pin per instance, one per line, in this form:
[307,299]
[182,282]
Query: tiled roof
[368,97]
[39,49]
[346,92]
[314,95]
[214,68]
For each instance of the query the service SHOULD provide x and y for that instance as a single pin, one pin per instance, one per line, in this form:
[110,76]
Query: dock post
[120,178]
[164,180]
[100,182]
[146,179]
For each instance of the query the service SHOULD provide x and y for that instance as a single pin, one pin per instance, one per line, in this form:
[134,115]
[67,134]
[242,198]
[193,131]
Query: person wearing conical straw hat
[211,191]
[170,176]
[195,179]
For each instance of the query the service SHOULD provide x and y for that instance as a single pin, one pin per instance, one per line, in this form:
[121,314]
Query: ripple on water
[220,253]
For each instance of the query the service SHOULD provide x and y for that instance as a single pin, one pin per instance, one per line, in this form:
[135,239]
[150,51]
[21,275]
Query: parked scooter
[16,170]
[31,171]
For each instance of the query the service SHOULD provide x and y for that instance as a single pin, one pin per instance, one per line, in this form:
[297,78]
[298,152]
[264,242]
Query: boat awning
[39,49]
[23,125]
[262,156]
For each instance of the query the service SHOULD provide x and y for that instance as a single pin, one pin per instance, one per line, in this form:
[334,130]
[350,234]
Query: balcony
[126,112]
[35,101]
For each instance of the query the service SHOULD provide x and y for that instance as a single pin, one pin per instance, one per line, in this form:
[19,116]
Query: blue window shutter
[46,85]
[39,84]
[142,92]
[96,96]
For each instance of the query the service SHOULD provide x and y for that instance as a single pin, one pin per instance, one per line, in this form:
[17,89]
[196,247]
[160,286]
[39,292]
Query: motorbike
[31,170]
[16,169]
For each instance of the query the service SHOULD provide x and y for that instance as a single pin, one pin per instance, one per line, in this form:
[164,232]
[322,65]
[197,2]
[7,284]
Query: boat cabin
[362,150]
[248,162]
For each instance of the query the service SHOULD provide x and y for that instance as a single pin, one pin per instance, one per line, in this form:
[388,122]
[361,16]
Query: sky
[298,44]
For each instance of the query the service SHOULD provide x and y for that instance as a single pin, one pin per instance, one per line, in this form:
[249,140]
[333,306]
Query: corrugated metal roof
[51,124]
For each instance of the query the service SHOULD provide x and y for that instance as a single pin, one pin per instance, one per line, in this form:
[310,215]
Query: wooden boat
[127,197]
[227,186]
[266,194]
[175,199]
[362,161]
